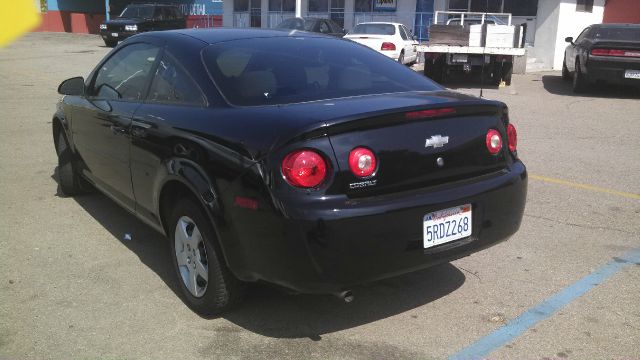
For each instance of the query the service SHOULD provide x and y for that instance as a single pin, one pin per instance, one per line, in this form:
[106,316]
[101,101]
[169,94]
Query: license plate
[459,58]
[114,34]
[447,225]
[632,74]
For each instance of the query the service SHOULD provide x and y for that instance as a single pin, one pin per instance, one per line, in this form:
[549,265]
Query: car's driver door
[101,123]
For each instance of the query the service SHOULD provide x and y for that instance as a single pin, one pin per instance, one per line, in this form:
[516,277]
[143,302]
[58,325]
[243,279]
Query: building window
[458,5]
[318,6]
[521,7]
[241,5]
[492,6]
[363,6]
[282,5]
[584,5]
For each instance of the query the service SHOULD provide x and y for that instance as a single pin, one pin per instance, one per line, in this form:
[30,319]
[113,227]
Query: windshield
[142,12]
[374,29]
[627,34]
[296,24]
[284,70]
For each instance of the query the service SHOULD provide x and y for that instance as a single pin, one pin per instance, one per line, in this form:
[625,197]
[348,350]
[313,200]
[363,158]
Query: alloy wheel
[191,256]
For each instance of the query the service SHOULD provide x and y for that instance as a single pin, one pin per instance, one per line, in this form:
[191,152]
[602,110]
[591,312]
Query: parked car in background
[603,52]
[318,25]
[140,17]
[391,39]
[297,159]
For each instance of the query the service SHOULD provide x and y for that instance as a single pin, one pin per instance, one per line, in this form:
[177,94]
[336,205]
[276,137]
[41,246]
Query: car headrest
[354,78]
[257,84]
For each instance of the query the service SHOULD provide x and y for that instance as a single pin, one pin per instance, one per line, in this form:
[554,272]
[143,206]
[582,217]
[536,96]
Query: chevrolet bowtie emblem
[437,141]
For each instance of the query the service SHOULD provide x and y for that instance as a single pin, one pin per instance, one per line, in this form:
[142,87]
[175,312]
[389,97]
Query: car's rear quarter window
[282,70]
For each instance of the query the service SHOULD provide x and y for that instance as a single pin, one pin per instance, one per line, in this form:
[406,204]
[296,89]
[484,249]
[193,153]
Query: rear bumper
[328,246]
[612,70]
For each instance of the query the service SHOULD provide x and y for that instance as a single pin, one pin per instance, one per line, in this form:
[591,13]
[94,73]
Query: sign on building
[384,5]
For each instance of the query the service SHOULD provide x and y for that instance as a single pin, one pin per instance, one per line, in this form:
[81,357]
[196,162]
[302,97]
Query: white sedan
[390,39]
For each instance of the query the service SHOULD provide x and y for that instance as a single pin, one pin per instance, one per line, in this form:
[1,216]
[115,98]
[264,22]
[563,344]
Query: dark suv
[137,18]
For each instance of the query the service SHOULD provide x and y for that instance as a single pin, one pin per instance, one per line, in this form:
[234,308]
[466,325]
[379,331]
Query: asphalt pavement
[567,285]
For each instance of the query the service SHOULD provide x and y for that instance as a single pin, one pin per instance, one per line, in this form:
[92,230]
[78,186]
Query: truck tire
[439,68]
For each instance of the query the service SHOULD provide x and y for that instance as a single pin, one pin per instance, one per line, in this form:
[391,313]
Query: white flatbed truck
[442,59]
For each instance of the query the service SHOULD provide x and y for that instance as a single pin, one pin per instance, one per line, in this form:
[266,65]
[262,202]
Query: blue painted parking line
[545,309]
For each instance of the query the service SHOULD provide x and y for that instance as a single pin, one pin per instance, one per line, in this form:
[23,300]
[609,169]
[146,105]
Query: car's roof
[614,26]
[212,36]
[380,22]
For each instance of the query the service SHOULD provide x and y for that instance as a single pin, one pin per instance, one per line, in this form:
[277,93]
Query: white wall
[557,19]
[572,23]
[547,20]
[227,13]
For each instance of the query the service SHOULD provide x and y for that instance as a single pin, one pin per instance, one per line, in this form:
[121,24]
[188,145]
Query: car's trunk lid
[419,152]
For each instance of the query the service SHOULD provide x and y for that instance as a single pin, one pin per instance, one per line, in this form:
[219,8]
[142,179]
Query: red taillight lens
[493,141]
[512,136]
[304,168]
[615,52]
[388,46]
[429,113]
[600,52]
[362,162]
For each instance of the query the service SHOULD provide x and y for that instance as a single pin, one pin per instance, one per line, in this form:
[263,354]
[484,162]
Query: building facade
[85,16]
[548,21]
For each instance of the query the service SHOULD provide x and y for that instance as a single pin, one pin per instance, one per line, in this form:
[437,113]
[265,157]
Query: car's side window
[582,35]
[167,13]
[125,75]
[407,32]
[172,84]
[403,34]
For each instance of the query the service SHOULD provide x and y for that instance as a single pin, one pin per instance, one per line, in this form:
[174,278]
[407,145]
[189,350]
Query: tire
[428,68]
[579,80]
[401,57]
[438,70]
[68,178]
[110,43]
[196,254]
[566,75]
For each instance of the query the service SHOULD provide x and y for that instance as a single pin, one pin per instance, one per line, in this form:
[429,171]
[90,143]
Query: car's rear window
[374,29]
[283,70]
[296,24]
[625,34]
[138,11]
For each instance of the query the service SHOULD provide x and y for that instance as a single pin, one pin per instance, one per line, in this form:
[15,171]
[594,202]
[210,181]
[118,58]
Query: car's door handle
[118,130]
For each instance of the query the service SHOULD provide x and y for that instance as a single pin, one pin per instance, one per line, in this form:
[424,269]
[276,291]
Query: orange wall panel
[622,11]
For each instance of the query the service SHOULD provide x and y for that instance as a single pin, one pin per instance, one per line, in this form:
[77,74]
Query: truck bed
[453,49]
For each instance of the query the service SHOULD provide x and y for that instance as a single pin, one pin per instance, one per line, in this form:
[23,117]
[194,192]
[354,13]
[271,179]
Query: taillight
[429,113]
[512,137]
[493,141]
[388,46]
[615,52]
[304,168]
[362,162]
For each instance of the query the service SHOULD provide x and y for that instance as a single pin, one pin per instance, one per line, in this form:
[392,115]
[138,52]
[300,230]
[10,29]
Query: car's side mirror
[569,39]
[73,86]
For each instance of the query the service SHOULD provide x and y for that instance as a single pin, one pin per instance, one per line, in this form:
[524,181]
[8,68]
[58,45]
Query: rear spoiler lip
[378,118]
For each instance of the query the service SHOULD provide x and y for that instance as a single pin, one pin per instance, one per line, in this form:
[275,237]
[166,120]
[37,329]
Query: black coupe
[603,52]
[297,159]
